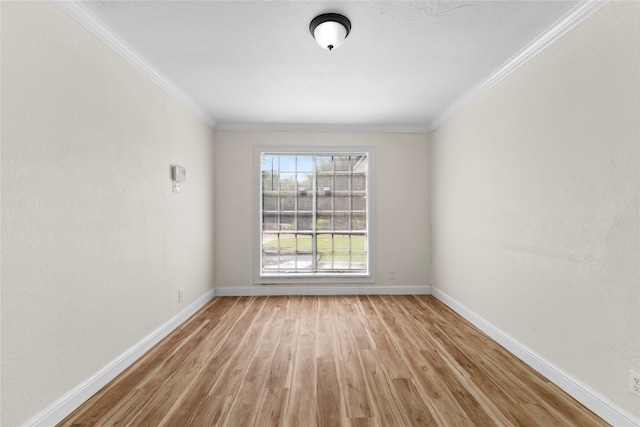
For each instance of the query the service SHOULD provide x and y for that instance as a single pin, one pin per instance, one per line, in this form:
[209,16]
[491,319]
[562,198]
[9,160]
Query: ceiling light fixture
[330,30]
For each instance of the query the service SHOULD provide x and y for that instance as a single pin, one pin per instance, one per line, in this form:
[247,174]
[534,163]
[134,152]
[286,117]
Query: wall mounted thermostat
[178,174]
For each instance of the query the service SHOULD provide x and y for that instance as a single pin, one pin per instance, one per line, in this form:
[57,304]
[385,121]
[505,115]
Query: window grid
[329,179]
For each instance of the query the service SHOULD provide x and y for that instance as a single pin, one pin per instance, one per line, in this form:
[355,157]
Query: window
[314,214]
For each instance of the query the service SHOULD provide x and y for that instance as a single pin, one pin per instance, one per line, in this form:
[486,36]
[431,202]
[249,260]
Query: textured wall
[402,202]
[535,204]
[94,243]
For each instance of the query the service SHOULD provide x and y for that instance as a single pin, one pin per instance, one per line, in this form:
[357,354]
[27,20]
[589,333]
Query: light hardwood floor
[308,361]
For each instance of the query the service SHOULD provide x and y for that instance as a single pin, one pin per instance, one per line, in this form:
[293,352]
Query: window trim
[313,278]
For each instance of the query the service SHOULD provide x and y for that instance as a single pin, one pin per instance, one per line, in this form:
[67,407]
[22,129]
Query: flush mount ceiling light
[330,30]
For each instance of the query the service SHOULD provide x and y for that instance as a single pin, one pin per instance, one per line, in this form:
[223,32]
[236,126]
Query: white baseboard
[597,403]
[267,290]
[72,400]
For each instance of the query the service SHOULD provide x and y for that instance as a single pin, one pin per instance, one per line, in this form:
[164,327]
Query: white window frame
[313,277]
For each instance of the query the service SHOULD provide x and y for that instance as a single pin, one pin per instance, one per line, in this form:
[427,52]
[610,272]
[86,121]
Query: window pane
[325,203]
[325,261]
[341,202]
[305,163]
[341,221]
[304,262]
[342,163]
[304,243]
[287,244]
[341,260]
[324,242]
[358,182]
[341,242]
[270,222]
[357,242]
[268,183]
[269,163]
[269,251]
[287,203]
[287,221]
[305,182]
[324,184]
[305,221]
[269,261]
[325,251]
[287,182]
[358,261]
[270,203]
[287,163]
[324,164]
[305,202]
[358,203]
[358,222]
[270,242]
[323,222]
[341,182]
[304,252]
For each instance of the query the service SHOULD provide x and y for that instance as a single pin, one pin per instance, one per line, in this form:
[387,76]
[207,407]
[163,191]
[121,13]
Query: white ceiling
[254,64]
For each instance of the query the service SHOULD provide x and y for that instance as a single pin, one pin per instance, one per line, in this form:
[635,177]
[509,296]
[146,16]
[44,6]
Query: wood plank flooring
[306,361]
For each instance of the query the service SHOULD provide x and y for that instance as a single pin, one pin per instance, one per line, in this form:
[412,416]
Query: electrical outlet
[634,382]
[392,274]
[180,294]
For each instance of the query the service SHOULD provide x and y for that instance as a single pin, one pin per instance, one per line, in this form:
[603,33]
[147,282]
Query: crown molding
[578,14]
[85,18]
[95,26]
[282,127]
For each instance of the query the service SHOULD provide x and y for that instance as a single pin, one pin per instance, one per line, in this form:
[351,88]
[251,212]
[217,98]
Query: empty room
[320,213]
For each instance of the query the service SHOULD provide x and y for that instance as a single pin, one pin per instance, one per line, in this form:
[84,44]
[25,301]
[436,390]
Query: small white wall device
[178,174]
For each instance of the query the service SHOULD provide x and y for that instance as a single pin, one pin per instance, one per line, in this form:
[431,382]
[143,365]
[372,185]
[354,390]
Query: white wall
[94,243]
[535,204]
[402,200]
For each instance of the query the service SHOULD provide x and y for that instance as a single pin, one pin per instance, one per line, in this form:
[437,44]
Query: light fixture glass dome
[330,34]
[330,30]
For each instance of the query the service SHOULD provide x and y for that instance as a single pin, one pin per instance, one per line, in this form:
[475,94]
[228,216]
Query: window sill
[335,278]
